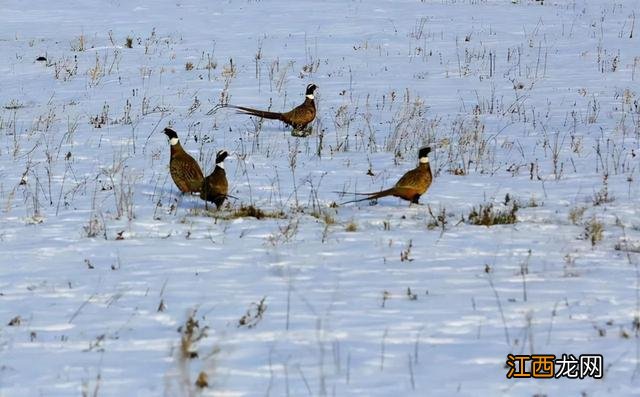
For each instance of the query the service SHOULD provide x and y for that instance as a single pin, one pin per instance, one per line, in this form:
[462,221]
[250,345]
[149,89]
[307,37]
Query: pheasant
[185,171]
[410,186]
[215,186]
[299,117]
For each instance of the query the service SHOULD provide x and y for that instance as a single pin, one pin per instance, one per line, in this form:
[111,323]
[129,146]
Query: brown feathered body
[299,117]
[215,187]
[185,171]
[410,186]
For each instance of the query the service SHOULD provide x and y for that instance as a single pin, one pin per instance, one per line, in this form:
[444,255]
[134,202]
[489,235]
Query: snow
[103,260]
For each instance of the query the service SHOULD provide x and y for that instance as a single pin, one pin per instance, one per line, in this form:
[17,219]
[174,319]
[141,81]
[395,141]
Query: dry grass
[488,215]
[254,314]
[79,44]
[191,333]
[576,214]
[324,216]
[593,231]
[602,196]
[187,355]
[351,227]
[244,211]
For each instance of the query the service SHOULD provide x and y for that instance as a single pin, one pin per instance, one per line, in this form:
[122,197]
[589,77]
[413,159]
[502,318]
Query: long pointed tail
[255,112]
[373,196]
[244,110]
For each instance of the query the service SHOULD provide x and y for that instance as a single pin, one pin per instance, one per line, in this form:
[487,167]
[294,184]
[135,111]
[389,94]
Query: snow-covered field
[105,269]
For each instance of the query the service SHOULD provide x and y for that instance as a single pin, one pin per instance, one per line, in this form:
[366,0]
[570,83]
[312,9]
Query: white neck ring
[310,96]
[424,160]
[173,141]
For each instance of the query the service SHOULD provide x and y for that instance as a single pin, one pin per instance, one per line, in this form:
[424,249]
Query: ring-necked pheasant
[411,185]
[185,171]
[216,186]
[299,117]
